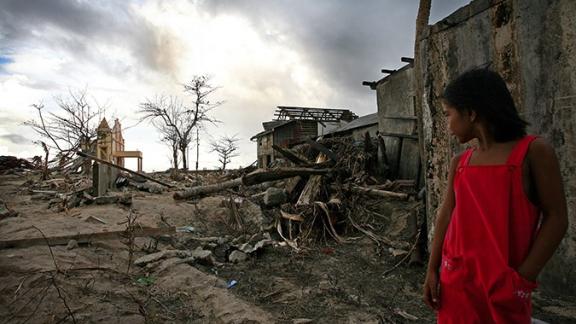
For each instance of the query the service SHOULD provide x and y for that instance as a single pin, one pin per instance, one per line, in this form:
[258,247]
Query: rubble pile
[328,190]
[12,164]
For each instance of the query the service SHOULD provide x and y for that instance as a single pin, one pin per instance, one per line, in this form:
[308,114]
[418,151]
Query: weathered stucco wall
[264,150]
[533,46]
[396,116]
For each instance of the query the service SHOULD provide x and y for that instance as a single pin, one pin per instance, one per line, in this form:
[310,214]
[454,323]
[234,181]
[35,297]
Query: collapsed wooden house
[293,125]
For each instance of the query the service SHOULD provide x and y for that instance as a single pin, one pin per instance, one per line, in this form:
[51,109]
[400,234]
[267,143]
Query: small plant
[145,281]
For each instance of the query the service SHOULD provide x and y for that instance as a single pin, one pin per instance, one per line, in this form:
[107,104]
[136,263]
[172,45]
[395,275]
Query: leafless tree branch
[226,148]
[176,121]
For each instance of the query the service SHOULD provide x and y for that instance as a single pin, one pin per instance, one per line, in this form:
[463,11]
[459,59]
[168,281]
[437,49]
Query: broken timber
[250,179]
[293,157]
[84,238]
[378,193]
[322,149]
[123,169]
[313,186]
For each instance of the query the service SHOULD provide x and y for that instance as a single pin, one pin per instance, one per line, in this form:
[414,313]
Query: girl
[504,211]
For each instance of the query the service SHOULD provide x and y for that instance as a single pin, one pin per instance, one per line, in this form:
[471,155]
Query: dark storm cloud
[76,26]
[346,41]
[15,138]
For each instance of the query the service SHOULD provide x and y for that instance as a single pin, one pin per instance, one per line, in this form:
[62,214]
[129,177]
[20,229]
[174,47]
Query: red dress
[491,231]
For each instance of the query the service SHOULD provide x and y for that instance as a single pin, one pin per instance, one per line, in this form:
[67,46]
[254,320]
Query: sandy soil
[323,282]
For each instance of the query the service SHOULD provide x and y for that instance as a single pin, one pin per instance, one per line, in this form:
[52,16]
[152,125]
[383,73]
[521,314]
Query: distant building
[110,145]
[293,125]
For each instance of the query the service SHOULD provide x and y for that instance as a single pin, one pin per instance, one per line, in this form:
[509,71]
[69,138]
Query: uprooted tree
[69,128]
[226,148]
[177,120]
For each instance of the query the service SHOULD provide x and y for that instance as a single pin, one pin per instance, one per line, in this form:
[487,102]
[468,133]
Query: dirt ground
[319,281]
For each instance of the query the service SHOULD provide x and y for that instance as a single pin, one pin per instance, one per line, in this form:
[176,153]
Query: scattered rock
[251,216]
[274,197]
[199,253]
[237,256]
[161,255]
[121,199]
[72,244]
[202,256]
[125,200]
[105,200]
[149,186]
[72,201]
[250,248]
[302,321]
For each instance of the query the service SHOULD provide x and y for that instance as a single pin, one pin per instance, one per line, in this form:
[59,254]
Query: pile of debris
[339,193]
[12,164]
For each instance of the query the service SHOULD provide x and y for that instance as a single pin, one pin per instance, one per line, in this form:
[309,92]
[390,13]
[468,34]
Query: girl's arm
[442,221]
[546,177]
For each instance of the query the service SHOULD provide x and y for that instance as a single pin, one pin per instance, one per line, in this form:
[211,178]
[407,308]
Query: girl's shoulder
[461,156]
[541,152]
[540,146]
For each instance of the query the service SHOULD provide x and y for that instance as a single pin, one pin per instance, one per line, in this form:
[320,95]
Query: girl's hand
[432,289]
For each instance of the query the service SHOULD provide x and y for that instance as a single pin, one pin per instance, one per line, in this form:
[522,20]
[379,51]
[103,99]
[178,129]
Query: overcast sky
[262,54]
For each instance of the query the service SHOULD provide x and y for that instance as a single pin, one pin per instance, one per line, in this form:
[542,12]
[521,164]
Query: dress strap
[518,153]
[465,158]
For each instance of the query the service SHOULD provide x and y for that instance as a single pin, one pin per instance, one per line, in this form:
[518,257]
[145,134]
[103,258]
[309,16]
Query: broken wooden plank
[123,169]
[291,156]
[292,217]
[311,191]
[84,237]
[378,193]
[256,177]
[322,149]
[312,188]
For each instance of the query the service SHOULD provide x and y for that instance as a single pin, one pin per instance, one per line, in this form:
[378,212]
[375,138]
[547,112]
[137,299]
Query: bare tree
[169,134]
[170,137]
[179,119]
[71,128]
[200,89]
[226,148]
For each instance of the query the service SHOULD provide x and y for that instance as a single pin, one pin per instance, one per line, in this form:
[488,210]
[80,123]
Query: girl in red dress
[504,210]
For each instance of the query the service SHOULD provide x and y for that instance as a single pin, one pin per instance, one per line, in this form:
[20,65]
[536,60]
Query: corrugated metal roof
[273,124]
[360,122]
[270,126]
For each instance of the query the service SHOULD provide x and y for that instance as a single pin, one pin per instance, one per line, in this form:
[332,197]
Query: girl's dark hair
[485,92]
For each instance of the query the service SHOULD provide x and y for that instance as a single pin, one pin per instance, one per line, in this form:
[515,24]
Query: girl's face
[459,123]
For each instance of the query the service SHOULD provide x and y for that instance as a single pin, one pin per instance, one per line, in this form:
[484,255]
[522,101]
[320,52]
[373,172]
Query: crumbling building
[293,125]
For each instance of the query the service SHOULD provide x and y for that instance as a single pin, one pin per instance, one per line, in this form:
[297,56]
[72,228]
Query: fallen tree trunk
[250,179]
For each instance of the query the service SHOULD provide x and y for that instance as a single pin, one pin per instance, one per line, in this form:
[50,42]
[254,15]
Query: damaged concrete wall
[397,122]
[533,45]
